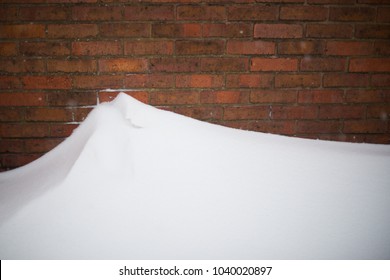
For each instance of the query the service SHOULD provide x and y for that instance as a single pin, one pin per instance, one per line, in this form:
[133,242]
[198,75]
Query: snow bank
[135,182]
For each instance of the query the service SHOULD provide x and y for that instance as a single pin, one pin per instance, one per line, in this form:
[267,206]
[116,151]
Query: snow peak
[148,271]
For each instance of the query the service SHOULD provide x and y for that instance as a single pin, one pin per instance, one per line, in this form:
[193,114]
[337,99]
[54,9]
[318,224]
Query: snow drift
[135,182]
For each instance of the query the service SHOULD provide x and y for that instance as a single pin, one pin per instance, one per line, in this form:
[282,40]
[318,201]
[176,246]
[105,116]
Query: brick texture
[317,69]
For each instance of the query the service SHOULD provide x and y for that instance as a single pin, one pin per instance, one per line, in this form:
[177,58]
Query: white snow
[135,182]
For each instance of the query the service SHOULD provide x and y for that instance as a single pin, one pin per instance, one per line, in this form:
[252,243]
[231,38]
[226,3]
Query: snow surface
[135,182]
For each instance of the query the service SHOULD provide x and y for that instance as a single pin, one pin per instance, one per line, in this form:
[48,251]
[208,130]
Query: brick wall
[306,68]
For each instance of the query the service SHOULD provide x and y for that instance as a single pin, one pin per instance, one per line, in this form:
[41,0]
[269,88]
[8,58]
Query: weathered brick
[48,114]
[329,30]
[369,64]
[173,98]
[274,64]
[199,47]
[71,99]
[297,80]
[250,47]
[199,81]
[176,30]
[342,112]
[123,65]
[22,99]
[92,48]
[273,96]
[22,65]
[192,12]
[367,96]
[301,47]
[8,114]
[293,112]
[62,129]
[72,30]
[149,47]
[311,13]
[72,66]
[381,111]
[24,130]
[322,64]
[206,113]
[352,14]
[366,126]
[346,48]
[149,12]
[320,96]
[227,30]
[22,31]
[254,112]
[10,82]
[11,146]
[345,80]
[224,97]
[280,30]
[132,30]
[254,80]
[224,64]
[380,80]
[91,13]
[372,31]
[41,145]
[44,13]
[175,64]
[97,82]
[252,13]
[8,48]
[323,126]
[46,82]
[383,14]
[149,81]
[107,96]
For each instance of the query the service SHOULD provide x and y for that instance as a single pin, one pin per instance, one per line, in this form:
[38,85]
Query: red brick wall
[306,68]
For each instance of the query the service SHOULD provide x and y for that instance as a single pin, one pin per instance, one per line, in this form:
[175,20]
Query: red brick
[201,113]
[11,146]
[22,99]
[48,114]
[345,80]
[23,130]
[123,65]
[200,47]
[91,13]
[367,126]
[174,97]
[329,31]
[352,14]
[107,96]
[379,111]
[9,82]
[367,96]
[71,66]
[315,13]
[348,48]
[8,13]
[97,82]
[342,112]
[297,80]
[149,47]
[22,31]
[335,2]
[274,64]
[97,48]
[280,1]
[149,81]
[71,99]
[383,14]
[174,30]
[43,13]
[16,160]
[276,127]
[141,12]
[199,81]
[46,82]
[322,64]
[71,30]
[273,96]
[293,112]
[251,13]
[377,138]
[61,129]
[246,113]
[187,12]
[22,65]
[309,126]
[133,30]
[224,97]
[68,1]
[41,145]
[80,114]
[227,30]
[369,64]
[44,48]
[372,31]
[224,64]
[380,80]
[278,30]
[382,48]
[11,114]
[250,47]
[373,2]
[301,47]
[8,48]
[321,96]
[175,64]
[258,80]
